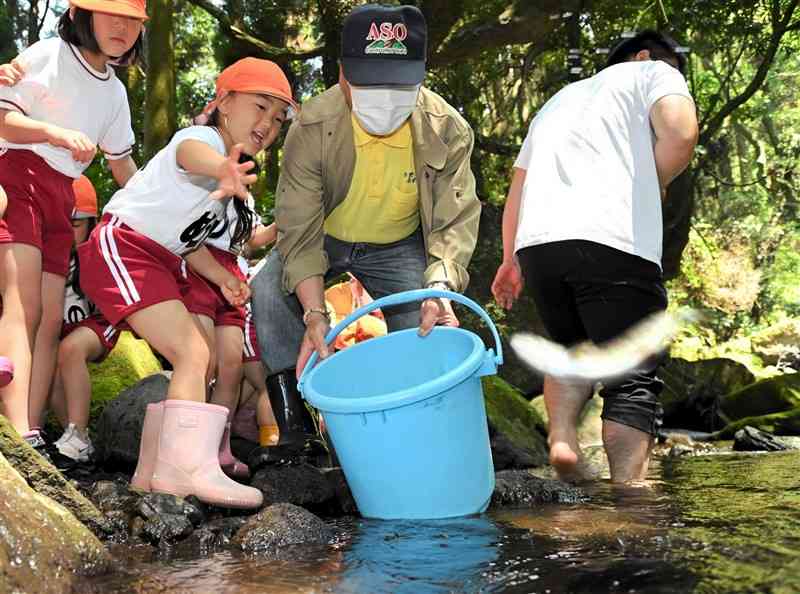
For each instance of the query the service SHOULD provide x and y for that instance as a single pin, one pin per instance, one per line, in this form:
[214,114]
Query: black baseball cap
[384,45]
[660,45]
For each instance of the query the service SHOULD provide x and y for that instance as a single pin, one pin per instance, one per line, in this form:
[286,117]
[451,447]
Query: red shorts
[107,334]
[39,211]
[205,298]
[251,350]
[123,271]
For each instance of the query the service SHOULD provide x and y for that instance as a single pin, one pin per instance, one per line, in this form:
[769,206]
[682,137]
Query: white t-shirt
[76,308]
[221,237]
[591,171]
[59,87]
[164,202]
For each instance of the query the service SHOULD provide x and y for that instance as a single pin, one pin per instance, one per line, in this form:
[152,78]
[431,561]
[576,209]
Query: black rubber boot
[294,420]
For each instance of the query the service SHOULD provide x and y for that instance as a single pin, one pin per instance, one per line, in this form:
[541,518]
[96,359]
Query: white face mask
[382,110]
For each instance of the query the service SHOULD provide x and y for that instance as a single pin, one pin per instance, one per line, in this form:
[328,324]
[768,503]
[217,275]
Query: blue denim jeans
[383,269]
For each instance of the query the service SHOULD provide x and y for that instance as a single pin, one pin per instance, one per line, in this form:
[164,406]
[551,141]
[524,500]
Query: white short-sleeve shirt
[60,88]
[589,161]
[169,205]
[76,307]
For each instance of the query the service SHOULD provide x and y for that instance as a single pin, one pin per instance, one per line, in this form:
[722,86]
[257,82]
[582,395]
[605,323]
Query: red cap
[130,8]
[251,75]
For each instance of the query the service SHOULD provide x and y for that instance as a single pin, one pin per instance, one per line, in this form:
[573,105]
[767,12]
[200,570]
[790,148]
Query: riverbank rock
[776,394]
[779,344]
[522,487]
[43,547]
[751,439]
[518,435]
[693,391]
[129,362]
[279,526]
[119,428]
[299,484]
[782,423]
[46,480]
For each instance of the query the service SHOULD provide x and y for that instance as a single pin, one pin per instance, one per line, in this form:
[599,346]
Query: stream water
[710,524]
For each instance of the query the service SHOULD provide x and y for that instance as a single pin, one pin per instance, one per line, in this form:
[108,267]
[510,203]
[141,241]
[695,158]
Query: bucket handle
[399,299]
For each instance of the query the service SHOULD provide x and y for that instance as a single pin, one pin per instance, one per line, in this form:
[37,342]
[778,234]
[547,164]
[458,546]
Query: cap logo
[387,39]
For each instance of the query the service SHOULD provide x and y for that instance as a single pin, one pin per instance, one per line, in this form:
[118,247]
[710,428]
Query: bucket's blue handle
[407,297]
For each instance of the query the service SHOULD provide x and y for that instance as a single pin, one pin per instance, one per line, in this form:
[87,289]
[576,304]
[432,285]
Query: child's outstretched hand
[236,291]
[11,74]
[233,177]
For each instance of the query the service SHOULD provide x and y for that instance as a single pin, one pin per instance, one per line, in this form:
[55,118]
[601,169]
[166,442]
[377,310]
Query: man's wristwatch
[316,310]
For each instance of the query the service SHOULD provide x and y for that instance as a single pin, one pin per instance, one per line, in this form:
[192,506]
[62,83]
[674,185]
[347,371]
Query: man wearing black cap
[582,226]
[375,181]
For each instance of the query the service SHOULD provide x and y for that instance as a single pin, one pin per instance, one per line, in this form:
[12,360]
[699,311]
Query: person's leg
[74,353]
[21,292]
[230,342]
[58,401]
[45,348]
[392,268]
[565,401]
[615,290]
[205,325]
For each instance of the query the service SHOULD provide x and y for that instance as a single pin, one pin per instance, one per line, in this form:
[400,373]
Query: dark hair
[660,46]
[74,279]
[78,31]
[244,216]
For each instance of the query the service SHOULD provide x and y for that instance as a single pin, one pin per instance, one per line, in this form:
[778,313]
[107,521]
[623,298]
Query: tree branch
[258,47]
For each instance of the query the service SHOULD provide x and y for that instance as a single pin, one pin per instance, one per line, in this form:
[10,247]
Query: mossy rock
[43,547]
[129,362]
[774,395]
[782,423]
[512,419]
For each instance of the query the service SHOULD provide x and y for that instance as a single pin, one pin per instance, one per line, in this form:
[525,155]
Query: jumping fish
[615,358]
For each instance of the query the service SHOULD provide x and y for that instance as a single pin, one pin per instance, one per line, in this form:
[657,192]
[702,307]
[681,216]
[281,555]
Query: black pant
[589,291]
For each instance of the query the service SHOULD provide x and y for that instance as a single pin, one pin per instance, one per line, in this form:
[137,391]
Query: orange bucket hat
[130,8]
[251,75]
[85,199]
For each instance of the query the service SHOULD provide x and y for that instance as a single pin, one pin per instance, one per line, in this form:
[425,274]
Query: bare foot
[569,463]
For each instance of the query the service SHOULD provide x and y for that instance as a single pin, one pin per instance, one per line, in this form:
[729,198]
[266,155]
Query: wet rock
[226,528]
[129,362]
[111,496]
[750,439]
[345,505]
[517,433]
[782,423]
[773,395]
[162,504]
[119,428]
[46,480]
[166,528]
[43,547]
[693,391]
[281,525]
[521,487]
[300,484]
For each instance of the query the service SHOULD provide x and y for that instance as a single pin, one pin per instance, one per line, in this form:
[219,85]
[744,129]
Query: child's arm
[236,291]
[11,74]
[20,129]
[263,236]
[122,169]
[195,156]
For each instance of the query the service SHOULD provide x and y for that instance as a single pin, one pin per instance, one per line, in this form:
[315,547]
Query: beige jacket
[317,168]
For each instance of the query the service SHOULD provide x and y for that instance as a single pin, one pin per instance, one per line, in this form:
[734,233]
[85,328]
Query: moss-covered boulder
[130,361]
[518,434]
[693,391]
[774,395]
[782,423]
[43,547]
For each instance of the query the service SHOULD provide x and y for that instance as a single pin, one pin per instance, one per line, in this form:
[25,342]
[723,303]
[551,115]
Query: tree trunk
[160,114]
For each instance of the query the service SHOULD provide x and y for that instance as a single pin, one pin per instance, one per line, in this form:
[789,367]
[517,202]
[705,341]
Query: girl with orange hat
[67,103]
[133,267]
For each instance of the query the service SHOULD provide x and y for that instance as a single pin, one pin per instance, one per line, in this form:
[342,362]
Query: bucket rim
[398,398]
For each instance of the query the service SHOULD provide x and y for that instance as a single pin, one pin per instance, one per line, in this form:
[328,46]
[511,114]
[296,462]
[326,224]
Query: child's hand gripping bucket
[406,415]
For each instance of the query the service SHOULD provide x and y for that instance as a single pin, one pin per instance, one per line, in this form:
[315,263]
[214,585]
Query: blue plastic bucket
[406,415]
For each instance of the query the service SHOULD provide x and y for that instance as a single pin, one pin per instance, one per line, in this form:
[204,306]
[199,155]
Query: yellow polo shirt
[382,204]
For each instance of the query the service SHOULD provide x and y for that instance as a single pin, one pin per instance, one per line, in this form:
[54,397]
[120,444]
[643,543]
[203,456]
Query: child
[86,337]
[6,366]
[132,269]
[67,102]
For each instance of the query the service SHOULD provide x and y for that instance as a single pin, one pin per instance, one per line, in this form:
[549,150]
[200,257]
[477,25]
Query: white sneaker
[75,444]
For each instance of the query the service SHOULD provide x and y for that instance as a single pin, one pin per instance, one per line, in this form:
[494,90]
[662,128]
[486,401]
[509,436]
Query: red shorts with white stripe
[107,334]
[251,351]
[39,211]
[205,298]
[123,271]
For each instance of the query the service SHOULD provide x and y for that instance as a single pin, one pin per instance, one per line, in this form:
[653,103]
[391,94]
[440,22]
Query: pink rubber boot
[230,465]
[148,446]
[6,371]
[187,460]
